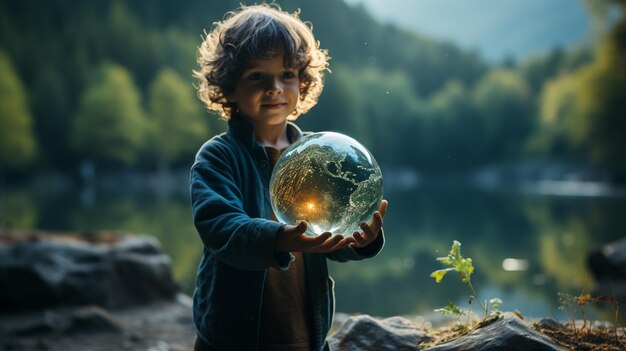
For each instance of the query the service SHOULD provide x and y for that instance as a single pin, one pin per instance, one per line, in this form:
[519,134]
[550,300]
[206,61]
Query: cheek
[294,88]
[248,95]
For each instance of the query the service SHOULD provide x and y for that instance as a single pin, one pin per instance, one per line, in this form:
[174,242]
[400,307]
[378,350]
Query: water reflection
[548,238]
[167,218]
[553,235]
[18,210]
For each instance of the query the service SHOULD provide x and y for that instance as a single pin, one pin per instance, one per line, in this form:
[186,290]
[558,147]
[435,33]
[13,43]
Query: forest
[110,82]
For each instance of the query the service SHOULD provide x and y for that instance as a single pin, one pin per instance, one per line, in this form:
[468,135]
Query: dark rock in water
[610,261]
[507,334]
[609,267]
[364,333]
[39,271]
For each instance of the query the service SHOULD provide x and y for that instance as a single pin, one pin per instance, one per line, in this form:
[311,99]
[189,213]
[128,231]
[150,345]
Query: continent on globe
[329,180]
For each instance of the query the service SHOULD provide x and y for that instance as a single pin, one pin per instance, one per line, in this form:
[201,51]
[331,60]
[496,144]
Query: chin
[276,119]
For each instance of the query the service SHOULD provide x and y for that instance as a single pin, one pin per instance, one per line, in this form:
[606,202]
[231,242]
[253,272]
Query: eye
[255,76]
[288,75]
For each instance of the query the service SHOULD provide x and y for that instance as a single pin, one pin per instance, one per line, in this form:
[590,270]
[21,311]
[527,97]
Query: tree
[110,126]
[601,105]
[177,125]
[17,140]
[584,110]
[503,100]
[456,134]
[557,110]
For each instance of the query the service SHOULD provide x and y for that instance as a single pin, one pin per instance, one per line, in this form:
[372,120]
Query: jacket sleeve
[223,225]
[350,254]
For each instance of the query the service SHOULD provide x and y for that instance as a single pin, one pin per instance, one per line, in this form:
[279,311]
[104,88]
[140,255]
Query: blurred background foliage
[111,82]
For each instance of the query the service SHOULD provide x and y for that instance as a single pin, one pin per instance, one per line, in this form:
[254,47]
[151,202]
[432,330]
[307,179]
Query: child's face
[267,92]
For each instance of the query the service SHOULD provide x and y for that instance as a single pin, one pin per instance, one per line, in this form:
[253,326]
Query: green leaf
[457,262]
[438,274]
[495,304]
[450,309]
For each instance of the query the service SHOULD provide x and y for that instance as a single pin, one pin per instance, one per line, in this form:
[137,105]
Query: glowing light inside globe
[329,180]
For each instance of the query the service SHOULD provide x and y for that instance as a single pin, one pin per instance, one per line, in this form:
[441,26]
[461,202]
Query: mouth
[274,105]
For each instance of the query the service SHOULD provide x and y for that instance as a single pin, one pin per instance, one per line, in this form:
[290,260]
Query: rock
[507,334]
[93,328]
[366,333]
[608,265]
[47,270]
[81,320]
[11,345]
[93,319]
[550,323]
[609,261]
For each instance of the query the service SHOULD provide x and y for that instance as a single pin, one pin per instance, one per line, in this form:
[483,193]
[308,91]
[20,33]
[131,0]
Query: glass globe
[329,180]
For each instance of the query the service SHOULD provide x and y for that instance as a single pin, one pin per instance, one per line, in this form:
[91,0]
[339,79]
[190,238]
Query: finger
[377,222]
[329,244]
[359,240]
[316,244]
[341,244]
[301,227]
[295,230]
[350,240]
[312,241]
[382,209]
[368,232]
[354,238]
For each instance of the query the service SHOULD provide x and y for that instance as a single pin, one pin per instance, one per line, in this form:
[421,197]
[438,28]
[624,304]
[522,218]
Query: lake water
[525,247]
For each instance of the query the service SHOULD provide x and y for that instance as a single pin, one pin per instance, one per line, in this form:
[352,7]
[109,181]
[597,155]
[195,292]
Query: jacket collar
[242,130]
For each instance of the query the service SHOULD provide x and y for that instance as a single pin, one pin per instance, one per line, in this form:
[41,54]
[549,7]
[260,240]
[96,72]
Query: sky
[497,29]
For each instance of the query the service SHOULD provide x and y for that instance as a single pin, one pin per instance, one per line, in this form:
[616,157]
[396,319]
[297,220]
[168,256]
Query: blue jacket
[232,214]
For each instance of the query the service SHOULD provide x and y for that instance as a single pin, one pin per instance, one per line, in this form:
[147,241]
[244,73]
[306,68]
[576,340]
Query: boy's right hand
[291,238]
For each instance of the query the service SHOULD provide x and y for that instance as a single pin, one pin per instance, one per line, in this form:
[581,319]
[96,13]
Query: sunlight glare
[515,264]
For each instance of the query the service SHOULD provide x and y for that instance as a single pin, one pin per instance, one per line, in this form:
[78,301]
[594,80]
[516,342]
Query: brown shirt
[285,310]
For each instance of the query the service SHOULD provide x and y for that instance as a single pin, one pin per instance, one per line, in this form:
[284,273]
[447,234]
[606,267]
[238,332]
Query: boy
[261,285]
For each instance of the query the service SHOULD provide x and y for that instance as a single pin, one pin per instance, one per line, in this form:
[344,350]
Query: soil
[598,338]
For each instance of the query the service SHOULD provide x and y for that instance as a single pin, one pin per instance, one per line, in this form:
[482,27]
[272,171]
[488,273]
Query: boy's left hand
[371,229]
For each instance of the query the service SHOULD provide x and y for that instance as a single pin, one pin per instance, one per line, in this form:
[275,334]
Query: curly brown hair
[255,32]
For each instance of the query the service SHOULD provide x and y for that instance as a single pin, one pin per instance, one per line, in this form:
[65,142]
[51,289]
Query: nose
[274,88]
